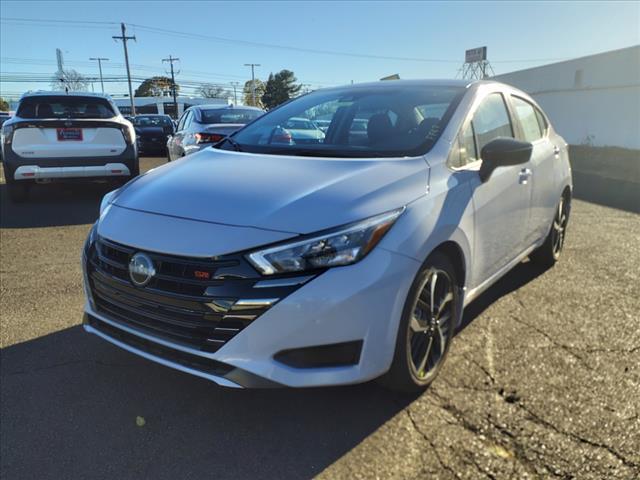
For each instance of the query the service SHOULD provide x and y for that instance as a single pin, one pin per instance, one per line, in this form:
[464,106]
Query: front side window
[464,149]
[379,121]
[528,120]
[65,107]
[491,120]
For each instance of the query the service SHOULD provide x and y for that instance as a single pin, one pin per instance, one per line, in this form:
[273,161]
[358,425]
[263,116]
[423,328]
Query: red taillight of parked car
[208,137]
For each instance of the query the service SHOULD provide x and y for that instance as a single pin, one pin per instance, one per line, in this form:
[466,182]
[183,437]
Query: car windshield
[369,121]
[152,121]
[227,115]
[65,107]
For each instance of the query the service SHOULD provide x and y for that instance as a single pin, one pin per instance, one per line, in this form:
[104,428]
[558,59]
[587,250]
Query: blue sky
[518,35]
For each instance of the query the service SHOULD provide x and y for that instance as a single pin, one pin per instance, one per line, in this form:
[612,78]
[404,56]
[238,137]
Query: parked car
[66,136]
[152,132]
[258,264]
[4,116]
[201,126]
[303,130]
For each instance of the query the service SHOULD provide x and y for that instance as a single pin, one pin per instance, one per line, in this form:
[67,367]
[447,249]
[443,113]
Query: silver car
[204,125]
[263,263]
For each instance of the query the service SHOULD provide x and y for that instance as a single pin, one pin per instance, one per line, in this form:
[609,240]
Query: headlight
[106,200]
[341,246]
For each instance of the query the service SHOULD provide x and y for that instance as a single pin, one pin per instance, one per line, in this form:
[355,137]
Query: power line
[164,32]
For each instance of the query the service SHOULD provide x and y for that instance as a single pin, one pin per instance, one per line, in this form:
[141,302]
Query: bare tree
[211,90]
[69,80]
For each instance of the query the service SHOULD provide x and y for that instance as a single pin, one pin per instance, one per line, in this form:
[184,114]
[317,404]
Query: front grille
[192,302]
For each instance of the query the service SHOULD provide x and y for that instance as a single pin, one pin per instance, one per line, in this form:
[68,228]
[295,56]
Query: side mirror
[503,152]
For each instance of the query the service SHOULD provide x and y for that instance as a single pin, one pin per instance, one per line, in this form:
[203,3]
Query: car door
[533,128]
[501,204]
[178,137]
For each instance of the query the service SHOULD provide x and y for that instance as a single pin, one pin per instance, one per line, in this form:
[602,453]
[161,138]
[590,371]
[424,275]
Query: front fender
[443,215]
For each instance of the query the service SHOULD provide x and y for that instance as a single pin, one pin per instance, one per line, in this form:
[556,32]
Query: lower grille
[196,362]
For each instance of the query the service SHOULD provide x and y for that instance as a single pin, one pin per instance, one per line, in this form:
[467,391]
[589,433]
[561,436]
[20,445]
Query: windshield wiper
[236,146]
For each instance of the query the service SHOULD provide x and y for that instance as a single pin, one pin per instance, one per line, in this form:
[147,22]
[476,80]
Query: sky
[366,40]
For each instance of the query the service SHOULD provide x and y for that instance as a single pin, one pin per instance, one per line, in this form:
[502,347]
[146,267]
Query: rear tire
[135,170]
[548,254]
[18,191]
[429,318]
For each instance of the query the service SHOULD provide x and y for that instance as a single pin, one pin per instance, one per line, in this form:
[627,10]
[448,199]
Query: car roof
[43,93]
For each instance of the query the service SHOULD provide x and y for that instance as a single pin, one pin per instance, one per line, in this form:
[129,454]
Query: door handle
[524,176]
[556,150]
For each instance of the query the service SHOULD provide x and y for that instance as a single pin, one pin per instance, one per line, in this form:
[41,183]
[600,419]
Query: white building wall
[591,100]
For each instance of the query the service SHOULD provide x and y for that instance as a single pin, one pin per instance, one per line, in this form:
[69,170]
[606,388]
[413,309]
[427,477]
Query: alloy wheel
[431,323]
[559,227]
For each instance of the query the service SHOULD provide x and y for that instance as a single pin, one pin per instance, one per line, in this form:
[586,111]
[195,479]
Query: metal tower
[476,66]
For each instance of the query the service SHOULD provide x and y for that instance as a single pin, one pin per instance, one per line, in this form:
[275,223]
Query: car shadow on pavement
[516,278]
[73,406]
[51,205]
[90,409]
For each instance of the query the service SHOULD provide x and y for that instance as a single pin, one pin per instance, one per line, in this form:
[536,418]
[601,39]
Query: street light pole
[124,39]
[100,60]
[235,95]
[253,80]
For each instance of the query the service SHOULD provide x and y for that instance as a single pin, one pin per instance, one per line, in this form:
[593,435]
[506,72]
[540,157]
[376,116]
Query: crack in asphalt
[560,345]
[441,462]
[578,438]
[515,445]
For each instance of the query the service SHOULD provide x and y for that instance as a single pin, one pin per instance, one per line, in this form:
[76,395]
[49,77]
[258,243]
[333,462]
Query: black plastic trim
[333,355]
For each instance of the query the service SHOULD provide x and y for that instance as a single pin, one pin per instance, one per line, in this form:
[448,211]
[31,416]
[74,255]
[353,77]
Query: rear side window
[491,120]
[528,119]
[65,107]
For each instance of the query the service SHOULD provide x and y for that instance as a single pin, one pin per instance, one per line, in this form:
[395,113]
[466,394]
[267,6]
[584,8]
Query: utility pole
[253,80]
[173,84]
[100,60]
[235,96]
[124,39]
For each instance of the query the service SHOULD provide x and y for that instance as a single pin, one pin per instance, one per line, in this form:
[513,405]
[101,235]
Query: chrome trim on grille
[251,303]
[282,282]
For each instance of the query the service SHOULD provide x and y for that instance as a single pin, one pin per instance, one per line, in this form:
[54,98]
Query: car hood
[280,193]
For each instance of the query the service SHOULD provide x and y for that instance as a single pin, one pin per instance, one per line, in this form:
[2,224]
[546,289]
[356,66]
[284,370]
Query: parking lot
[543,381]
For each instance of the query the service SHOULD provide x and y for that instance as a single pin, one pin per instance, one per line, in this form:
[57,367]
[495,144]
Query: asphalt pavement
[543,381]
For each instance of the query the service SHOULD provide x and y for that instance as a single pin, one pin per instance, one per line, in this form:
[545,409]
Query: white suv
[64,136]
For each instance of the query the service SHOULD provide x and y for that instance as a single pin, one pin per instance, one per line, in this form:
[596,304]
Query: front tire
[427,326]
[549,252]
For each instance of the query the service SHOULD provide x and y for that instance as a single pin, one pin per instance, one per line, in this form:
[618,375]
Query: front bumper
[358,303]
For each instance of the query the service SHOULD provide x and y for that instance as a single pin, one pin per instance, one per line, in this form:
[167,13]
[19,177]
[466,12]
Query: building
[164,105]
[593,100]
